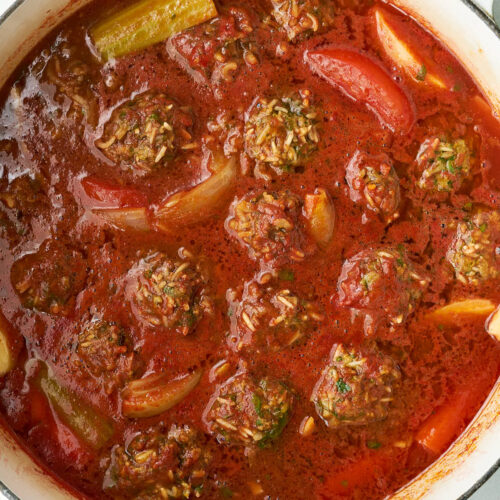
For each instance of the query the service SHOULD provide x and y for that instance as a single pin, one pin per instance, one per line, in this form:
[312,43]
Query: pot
[476,454]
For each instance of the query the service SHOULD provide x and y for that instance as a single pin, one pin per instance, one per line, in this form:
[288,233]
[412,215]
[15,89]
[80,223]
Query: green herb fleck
[257,403]
[169,290]
[342,386]
[226,492]
[483,227]
[373,445]
[275,431]
[286,275]
[188,319]
[422,73]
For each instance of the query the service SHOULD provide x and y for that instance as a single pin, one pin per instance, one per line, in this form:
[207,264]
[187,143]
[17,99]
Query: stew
[247,249]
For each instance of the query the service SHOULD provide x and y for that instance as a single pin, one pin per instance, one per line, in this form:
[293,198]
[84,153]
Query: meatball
[298,17]
[373,181]
[381,282]
[443,165]
[213,51]
[26,194]
[104,349]
[73,78]
[245,411]
[168,293]
[281,133]
[158,464]
[144,134]
[24,198]
[268,224]
[269,316]
[50,279]
[356,387]
[475,250]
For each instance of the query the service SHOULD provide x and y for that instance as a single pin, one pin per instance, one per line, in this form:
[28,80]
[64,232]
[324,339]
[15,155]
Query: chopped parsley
[257,403]
[342,386]
[286,275]
[373,445]
[422,73]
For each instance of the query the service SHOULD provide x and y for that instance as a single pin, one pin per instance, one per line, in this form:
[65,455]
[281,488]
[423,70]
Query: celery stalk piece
[147,22]
[91,427]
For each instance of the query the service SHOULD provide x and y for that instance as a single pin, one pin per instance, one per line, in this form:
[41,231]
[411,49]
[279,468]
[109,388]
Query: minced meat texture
[160,463]
[214,51]
[247,411]
[147,132]
[50,279]
[226,257]
[169,294]
[104,349]
[269,316]
[357,387]
[383,283]
[269,224]
[374,183]
[302,17]
[281,133]
[474,251]
[444,165]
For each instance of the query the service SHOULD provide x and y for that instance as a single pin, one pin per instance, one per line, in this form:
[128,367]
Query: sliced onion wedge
[463,308]
[155,394]
[320,214]
[493,324]
[125,218]
[201,202]
[404,57]
[6,358]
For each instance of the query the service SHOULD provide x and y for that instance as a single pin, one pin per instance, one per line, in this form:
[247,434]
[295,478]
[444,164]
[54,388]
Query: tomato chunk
[446,423]
[107,195]
[354,476]
[365,81]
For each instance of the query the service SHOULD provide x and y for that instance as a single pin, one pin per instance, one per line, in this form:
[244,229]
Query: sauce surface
[277,332]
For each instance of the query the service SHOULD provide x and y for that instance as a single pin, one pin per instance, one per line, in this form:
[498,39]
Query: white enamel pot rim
[473,37]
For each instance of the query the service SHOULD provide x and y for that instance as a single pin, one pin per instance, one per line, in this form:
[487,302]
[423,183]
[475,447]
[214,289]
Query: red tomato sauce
[350,212]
